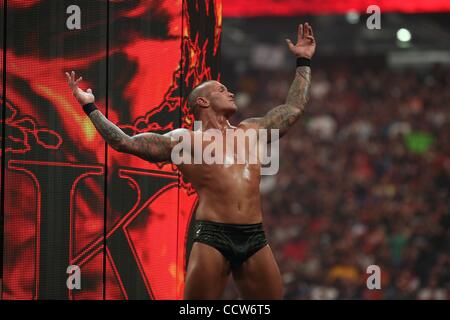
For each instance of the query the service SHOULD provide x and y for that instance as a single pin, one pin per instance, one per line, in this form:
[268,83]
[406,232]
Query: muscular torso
[228,193]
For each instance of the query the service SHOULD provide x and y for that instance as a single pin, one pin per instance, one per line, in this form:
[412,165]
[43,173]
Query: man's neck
[214,121]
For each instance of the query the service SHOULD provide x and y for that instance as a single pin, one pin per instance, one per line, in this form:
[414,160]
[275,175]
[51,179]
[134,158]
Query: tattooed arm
[285,115]
[148,146]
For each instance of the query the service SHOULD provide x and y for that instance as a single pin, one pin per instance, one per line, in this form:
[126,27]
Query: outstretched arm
[148,146]
[285,115]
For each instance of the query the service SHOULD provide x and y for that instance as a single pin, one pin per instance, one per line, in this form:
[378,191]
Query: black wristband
[301,62]
[89,107]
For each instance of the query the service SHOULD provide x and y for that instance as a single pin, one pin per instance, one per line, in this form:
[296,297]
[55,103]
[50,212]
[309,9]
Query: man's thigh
[259,277]
[207,273]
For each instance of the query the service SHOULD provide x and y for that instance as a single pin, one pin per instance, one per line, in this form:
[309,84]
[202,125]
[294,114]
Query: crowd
[364,180]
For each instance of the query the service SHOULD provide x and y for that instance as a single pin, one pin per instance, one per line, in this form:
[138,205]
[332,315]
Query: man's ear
[202,102]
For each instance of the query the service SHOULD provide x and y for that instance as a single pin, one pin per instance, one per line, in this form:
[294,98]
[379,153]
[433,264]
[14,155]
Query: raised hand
[306,44]
[83,97]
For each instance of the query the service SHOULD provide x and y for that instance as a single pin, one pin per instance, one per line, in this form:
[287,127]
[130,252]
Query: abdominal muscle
[227,193]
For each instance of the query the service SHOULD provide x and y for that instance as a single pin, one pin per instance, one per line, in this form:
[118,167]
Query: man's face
[221,100]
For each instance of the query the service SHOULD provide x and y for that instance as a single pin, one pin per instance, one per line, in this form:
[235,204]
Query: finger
[78,80]
[290,44]
[73,76]
[89,90]
[300,32]
[69,78]
[306,30]
[311,31]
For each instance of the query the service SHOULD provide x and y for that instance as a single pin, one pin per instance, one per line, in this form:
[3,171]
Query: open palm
[83,97]
[306,44]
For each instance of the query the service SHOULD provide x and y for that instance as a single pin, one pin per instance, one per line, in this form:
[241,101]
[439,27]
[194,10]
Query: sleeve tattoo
[285,115]
[148,146]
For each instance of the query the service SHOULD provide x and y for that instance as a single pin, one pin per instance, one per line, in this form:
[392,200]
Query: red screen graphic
[69,200]
[253,8]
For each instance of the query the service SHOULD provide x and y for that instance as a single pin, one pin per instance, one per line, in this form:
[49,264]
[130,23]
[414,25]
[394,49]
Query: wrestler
[229,236]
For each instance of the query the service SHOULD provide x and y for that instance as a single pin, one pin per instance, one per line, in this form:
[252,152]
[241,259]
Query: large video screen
[73,205]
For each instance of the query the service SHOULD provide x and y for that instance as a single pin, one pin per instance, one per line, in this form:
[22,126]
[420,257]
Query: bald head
[201,90]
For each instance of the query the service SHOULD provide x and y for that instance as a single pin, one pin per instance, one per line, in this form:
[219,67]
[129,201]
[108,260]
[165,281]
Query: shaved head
[199,91]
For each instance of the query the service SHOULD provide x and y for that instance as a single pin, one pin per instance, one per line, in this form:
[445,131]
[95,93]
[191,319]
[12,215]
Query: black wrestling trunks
[236,242]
